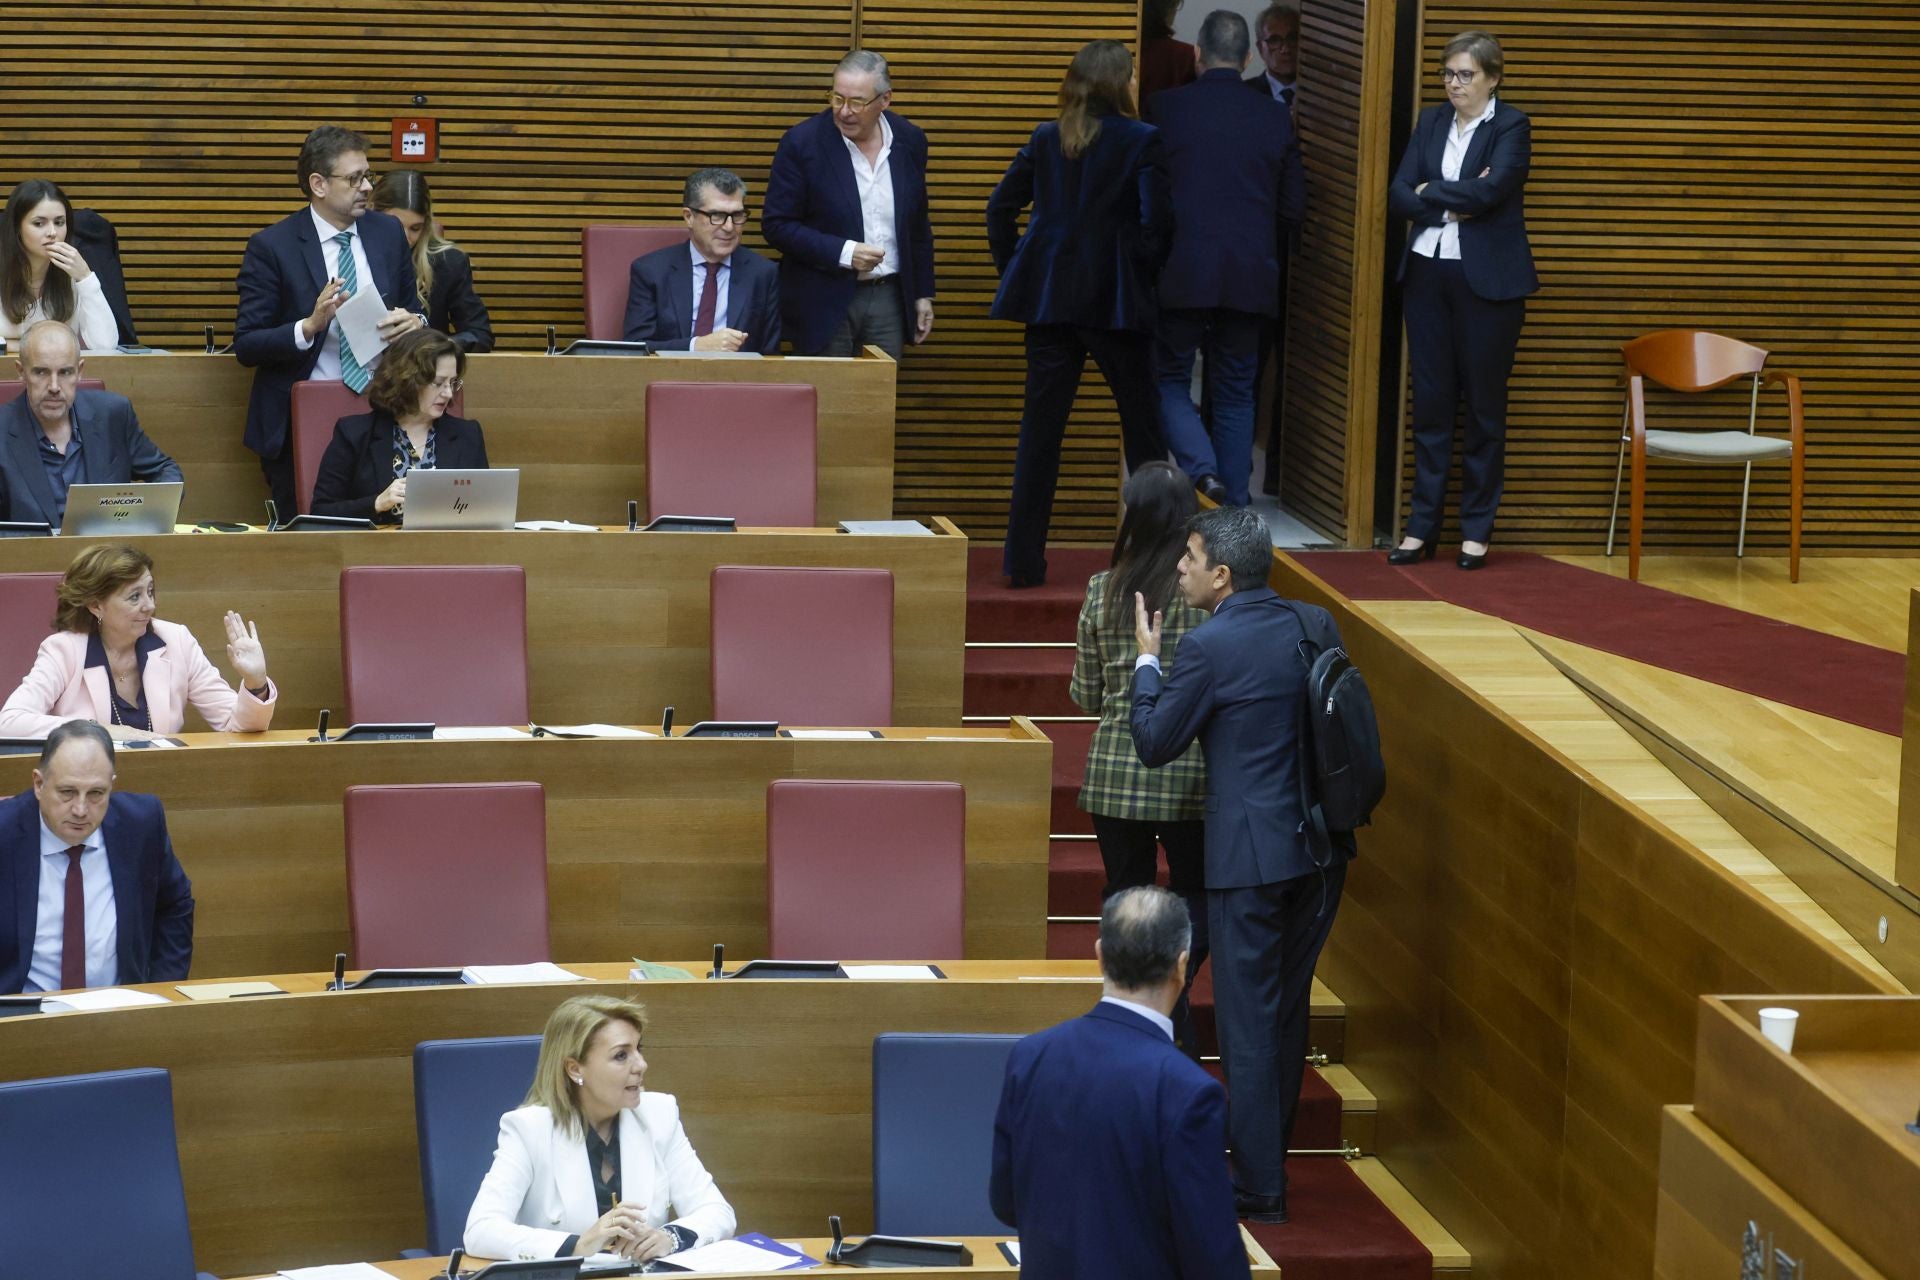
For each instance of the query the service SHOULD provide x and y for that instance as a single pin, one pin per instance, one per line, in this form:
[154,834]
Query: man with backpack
[1276,857]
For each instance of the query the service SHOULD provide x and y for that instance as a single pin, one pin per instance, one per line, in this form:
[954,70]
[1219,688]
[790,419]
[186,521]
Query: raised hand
[244,651]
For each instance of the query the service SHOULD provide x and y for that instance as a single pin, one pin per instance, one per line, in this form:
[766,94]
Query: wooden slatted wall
[1746,168]
[182,123]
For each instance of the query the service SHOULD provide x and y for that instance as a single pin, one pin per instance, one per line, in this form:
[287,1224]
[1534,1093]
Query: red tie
[73,948]
[709,300]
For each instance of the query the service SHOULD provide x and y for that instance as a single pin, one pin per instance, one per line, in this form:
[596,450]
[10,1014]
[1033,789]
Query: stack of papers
[555,526]
[338,1271]
[476,733]
[227,990]
[891,972]
[481,975]
[593,731]
[102,998]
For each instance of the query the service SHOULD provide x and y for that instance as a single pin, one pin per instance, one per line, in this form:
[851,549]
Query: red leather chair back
[27,602]
[449,874]
[317,405]
[866,870]
[803,646]
[732,449]
[11,387]
[606,257]
[440,643]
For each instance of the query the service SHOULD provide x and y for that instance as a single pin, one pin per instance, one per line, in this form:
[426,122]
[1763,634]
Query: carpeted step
[1046,612]
[1338,1229]
[1070,743]
[1019,682]
[1316,1125]
[1075,876]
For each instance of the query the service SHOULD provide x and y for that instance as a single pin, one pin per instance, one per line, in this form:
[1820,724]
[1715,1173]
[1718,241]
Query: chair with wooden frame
[1693,360]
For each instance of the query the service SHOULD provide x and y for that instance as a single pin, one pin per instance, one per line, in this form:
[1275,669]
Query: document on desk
[555,526]
[1012,1249]
[360,318]
[227,990]
[891,972]
[101,998]
[476,732]
[591,731]
[833,735]
[738,1255]
[484,975]
[338,1271]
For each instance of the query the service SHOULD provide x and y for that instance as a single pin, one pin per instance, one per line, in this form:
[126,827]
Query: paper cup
[1777,1025]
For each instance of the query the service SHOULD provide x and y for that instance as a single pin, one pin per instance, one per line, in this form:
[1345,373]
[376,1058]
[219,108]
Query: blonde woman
[441,268]
[591,1163]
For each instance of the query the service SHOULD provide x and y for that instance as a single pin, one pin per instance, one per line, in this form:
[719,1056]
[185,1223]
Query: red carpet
[1339,1230]
[1817,672]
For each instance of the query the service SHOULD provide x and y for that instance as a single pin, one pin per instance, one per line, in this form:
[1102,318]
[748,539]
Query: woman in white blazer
[591,1163]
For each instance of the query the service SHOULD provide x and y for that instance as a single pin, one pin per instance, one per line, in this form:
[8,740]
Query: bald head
[50,340]
[50,363]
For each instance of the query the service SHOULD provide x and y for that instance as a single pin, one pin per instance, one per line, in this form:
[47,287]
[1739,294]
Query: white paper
[338,1271]
[103,998]
[1037,977]
[887,528]
[476,733]
[707,355]
[360,318]
[597,731]
[227,990]
[555,526]
[834,735]
[891,972]
[732,1255]
[1013,1247]
[480,975]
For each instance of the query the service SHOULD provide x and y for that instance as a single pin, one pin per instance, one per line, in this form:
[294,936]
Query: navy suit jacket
[1098,234]
[1238,687]
[358,464]
[660,301]
[1239,193]
[813,208]
[1494,253]
[1109,1155]
[152,899]
[280,279]
[113,450]
[453,307]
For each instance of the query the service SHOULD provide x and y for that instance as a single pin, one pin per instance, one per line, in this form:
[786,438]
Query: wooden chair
[1693,360]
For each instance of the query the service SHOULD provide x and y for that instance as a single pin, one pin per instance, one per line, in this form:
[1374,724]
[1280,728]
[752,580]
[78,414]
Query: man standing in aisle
[1279,46]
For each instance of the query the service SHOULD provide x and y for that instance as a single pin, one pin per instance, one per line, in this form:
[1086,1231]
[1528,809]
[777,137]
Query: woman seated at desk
[590,1163]
[111,661]
[440,267]
[364,470]
[43,277]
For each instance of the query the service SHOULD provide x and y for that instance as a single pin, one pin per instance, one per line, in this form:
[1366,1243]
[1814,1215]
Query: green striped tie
[351,373]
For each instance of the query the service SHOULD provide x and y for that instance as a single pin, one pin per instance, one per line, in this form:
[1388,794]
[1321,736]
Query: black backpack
[1347,776]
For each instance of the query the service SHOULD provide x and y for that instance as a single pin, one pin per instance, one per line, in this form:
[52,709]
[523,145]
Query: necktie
[709,301]
[73,947]
[351,373]
[1286,96]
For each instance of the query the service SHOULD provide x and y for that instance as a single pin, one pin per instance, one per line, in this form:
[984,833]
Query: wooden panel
[654,846]
[1906,852]
[297,1133]
[618,624]
[1660,134]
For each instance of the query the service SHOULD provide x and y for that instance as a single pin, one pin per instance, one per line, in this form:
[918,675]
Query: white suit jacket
[540,1190]
[61,687]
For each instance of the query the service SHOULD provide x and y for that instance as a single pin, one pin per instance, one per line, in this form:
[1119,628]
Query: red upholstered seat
[803,646]
[317,405]
[606,257]
[732,449]
[866,870]
[27,602]
[447,874]
[11,387]
[439,643]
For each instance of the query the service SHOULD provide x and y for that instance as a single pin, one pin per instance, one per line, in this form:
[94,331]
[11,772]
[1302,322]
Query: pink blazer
[61,687]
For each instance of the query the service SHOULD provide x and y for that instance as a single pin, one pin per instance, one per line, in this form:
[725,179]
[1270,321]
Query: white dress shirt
[700,268]
[1280,89]
[1154,1016]
[1444,241]
[49,934]
[328,365]
[875,182]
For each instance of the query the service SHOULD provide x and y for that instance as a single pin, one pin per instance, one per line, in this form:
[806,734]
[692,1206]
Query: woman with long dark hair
[441,268]
[1082,279]
[1134,807]
[43,277]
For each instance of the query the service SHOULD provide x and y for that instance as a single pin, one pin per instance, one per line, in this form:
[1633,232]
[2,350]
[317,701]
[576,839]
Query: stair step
[1026,682]
[1320,1122]
[1359,1109]
[1070,744]
[1045,612]
[1450,1257]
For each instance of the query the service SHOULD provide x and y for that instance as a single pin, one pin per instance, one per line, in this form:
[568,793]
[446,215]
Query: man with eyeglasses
[712,293]
[1279,46]
[847,208]
[294,277]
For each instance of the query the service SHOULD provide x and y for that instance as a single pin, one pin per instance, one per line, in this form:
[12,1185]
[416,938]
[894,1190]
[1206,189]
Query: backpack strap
[1314,823]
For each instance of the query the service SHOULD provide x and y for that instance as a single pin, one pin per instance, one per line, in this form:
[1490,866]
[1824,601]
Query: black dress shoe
[1472,562]
[1212,490]
[1411,555]
[1252,1208]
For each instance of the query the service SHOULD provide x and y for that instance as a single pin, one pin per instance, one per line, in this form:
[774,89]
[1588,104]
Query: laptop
[454,499]
[110,510]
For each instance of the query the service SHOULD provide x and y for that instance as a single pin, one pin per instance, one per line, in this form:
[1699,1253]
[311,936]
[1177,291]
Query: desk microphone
[553,342]
[719,951]
[208,330]
[324,715]
[666,723]
[839,1237]
[453,1264]
[633,515]
[339,971]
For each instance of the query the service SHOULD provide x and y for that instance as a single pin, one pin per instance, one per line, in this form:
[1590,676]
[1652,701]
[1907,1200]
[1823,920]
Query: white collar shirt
[700,268]
[874,181]
[1154,1016]
[50,928]
[328,363]
[1282,90]
[1444,241]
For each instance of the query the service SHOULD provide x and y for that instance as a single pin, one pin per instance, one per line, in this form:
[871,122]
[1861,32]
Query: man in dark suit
[1279,45]
[90,892]
[847,209]
[54,435]
[1106,1147]
[1239,687]
[713,293]
[295,275]
[1238,194]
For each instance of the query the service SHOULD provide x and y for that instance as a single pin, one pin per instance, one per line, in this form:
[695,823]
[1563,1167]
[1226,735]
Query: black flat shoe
[1211,489]
[1252,1208]
[1472,562]
[1411,555]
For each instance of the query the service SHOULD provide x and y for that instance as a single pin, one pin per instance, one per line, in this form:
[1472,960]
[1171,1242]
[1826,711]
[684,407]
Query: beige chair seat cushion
[1716,446]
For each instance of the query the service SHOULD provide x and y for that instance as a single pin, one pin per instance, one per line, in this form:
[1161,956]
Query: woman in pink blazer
[111,661]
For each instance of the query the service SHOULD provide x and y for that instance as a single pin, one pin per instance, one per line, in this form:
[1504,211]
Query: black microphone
[666,723]
[339,971]
[633,514]
[719,950]
[324,714]
[208,330]
[453,1263]
[553,343]
[839,1237]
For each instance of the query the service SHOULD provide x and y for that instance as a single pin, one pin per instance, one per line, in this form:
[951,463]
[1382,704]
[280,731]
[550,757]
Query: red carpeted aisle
[1339,1229]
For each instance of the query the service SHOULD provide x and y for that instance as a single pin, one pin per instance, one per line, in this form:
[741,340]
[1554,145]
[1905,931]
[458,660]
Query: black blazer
[660,299]
[452,305]
[113,450]
[1494,253]
[1098,234]
[358,464]
[280,279]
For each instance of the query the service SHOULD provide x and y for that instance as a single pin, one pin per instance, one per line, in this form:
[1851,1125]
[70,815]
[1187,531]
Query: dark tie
[709,300]
[351,372]
[1286,96]
[73,948]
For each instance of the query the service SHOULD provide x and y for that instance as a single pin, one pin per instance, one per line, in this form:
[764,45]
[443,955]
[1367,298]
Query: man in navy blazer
[1107,1144]
[1239,193]
[1239,687]
[73,849]
[293,279]
[53,435]
[847,209]
[712,293]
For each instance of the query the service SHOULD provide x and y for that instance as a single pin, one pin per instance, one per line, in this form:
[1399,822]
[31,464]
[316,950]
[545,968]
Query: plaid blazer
[1117,785]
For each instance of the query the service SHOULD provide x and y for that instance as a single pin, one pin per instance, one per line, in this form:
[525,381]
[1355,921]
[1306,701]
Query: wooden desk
[575,426]
[295,1113]
[654,847]
[617,623]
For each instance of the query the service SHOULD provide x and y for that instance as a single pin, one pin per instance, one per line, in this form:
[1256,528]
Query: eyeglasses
[839,102]
[721,217]
[366,176]
[1449,76]
[1279,42]
[451,385]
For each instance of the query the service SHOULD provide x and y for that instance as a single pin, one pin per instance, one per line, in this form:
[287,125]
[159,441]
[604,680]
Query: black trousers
[1128,847]
[1056,355]
[1266,940]
[1460,347]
